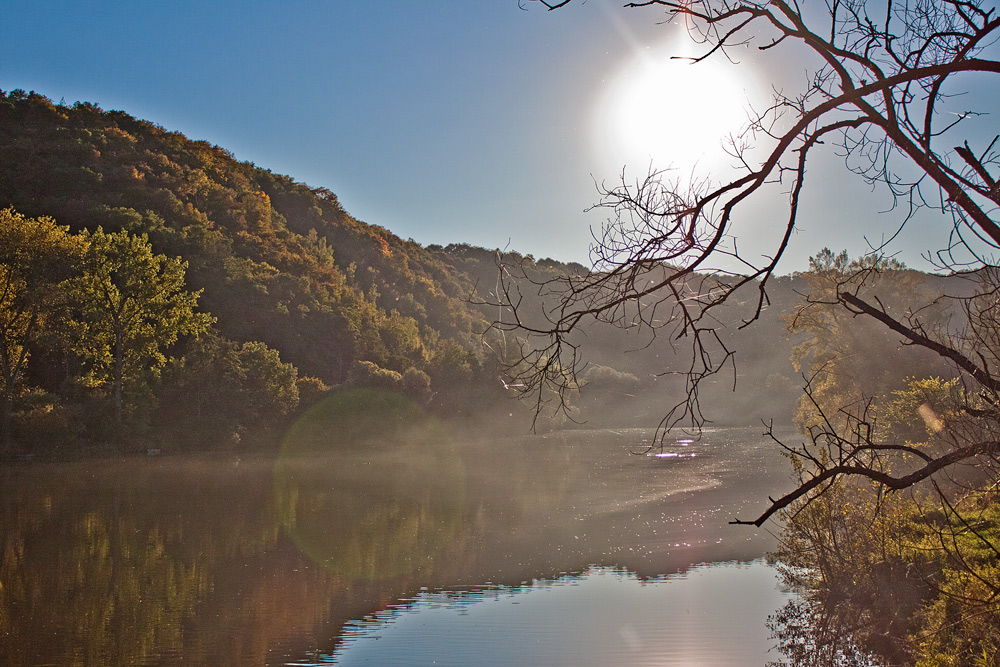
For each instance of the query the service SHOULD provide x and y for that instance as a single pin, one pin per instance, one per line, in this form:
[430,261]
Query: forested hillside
[277,295]
[280,262]
[277,264]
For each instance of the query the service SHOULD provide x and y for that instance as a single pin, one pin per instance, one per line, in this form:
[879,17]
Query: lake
[565,549]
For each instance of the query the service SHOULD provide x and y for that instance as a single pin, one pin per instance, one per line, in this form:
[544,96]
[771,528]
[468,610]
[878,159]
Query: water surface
[706,616]
[564,549]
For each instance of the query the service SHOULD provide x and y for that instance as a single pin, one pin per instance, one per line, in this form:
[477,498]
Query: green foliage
[273,260]
[907,578]
[910,577]
[921,410]
[45,418]
[850,360]
[369,374]
[37,257]
[607,377]
[278,262]
[960,624]
[324,288]
[311,389]
[416,384]
[281,263]
[220,392]
[133,306]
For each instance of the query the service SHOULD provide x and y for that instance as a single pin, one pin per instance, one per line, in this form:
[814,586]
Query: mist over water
[299,558]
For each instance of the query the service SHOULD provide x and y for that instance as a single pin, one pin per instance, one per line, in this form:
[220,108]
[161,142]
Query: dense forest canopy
[299,294]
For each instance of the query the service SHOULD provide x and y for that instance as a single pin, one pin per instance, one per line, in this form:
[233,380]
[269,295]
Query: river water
[566,549]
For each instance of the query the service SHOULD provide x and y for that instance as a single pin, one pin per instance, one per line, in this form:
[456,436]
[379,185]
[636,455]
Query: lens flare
[368,485]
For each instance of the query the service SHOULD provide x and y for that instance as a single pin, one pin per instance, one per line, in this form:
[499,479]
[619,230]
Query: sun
[665,112]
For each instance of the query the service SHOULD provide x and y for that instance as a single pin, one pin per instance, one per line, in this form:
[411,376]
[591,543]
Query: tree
[133,308]
[877,93]
[850,360]
[883,79]
[220,391]
[37,257]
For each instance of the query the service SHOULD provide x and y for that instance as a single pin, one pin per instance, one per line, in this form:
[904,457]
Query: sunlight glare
[666,112]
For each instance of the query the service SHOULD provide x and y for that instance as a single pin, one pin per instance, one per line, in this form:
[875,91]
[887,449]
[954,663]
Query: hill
[276,261]
[303,297]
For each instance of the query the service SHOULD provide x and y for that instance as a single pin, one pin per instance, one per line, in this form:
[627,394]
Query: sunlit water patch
[712,615]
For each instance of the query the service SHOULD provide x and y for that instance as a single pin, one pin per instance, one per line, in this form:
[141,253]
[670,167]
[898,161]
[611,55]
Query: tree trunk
[118,376]
[6,416]
[117,392]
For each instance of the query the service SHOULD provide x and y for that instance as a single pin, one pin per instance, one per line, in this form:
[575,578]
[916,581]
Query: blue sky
[445,121]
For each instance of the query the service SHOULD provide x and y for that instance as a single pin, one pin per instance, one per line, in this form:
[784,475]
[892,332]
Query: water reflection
[214,560]
[684,620]
[369,498]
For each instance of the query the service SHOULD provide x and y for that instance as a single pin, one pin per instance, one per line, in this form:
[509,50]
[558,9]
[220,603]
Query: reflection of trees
[369,486]
[173,560]
[81,568]
[331,512]
[810,635]
[114,564]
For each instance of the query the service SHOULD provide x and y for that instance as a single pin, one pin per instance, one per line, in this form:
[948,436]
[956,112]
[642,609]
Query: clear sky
[442,120]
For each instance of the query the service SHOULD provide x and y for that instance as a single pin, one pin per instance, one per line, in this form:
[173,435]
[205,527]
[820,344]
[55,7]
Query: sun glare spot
[667,112]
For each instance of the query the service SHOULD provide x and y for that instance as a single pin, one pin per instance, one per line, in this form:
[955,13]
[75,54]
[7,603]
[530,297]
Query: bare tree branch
[888,481]
[880,89]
